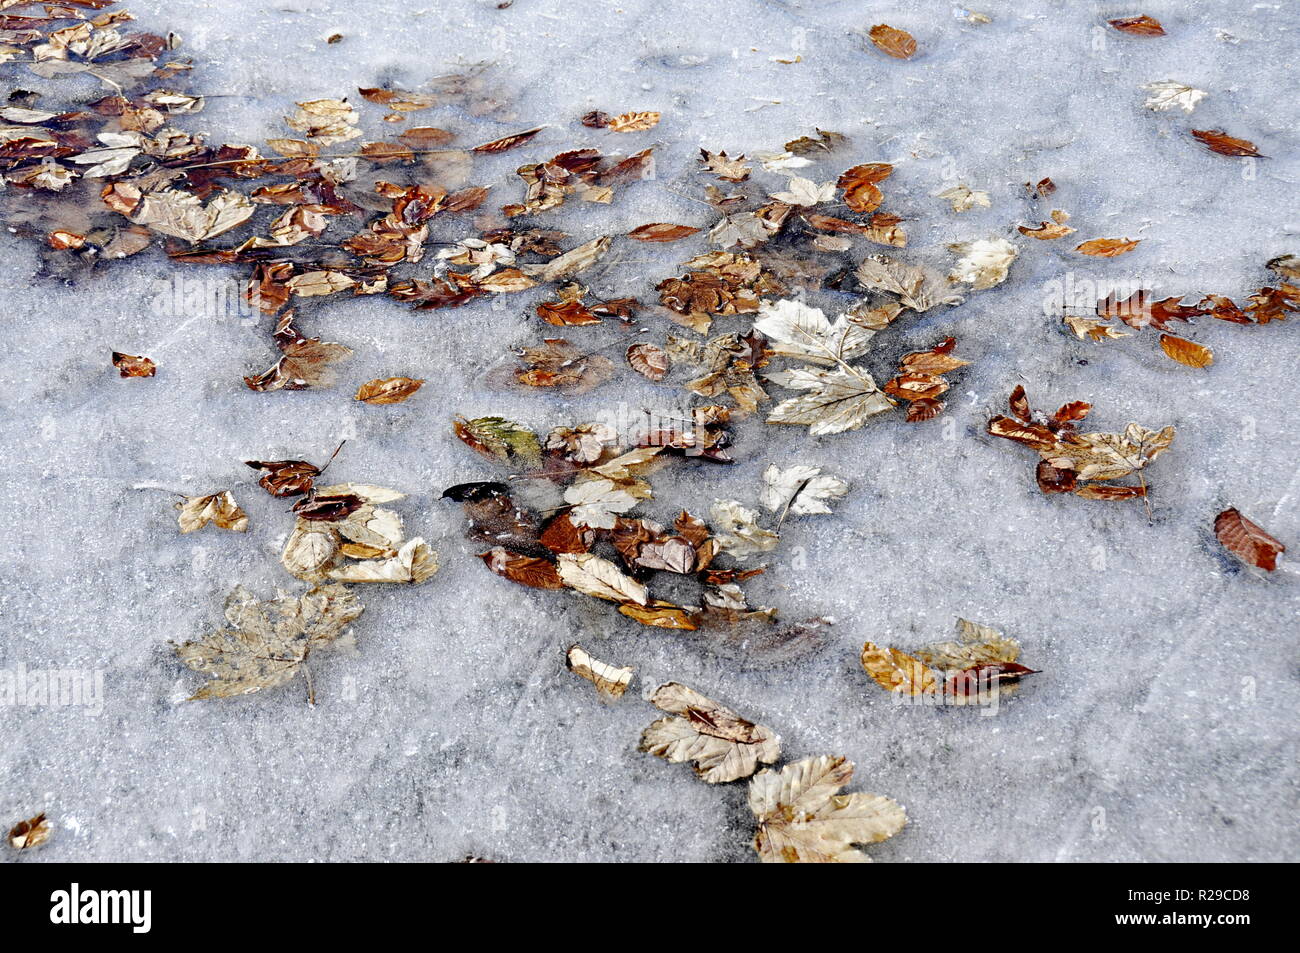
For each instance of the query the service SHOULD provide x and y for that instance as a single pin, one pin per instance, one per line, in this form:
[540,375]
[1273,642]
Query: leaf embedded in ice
[983,263]
[1168,94]
[184,215]
[799,331]
[30,833]
[595,576]
[267,643]
[414,563]
[597,502]
[500,439]
[737,531]
[801,191]
[722,745]
[963,198]
[610,680]
[217,508]
[801,489]
[1250,543]
[802,818]
[916,286]
[837,400]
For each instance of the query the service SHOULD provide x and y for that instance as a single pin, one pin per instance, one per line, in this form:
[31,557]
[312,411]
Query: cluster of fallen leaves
[979,663]
[1141,310]
[1081,463]
[562,518]
[799,813]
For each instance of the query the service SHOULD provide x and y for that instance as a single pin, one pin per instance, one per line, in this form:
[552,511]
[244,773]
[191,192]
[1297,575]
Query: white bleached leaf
[836,400]
[800,331]
[595,576]
[723,746]
[805,192]
[984,262]
[1168,94]
[802,488]
[596,502]
[963,198]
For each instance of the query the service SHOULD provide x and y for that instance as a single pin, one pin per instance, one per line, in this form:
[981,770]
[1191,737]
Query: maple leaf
[267,643]
[836,400]
[802,817]
[218,508]
[1248,541]
[801,191]
[800,489]
[727,168]
[917,287]
[1091,328]
[803,332]
[596,502]
[610,681]
[722,745]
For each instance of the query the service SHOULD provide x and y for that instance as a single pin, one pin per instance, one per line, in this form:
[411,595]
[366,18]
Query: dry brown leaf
[532,571]
[1046,231]
[218,508]
[648,360]
[802,818]
[722,745]
[661,232]
[1186,352]
[1108,247]
[1138,26]
[633,122]
[610,681]
[1216,140]
[30,833]
[1247,541]
[508,142]
[899,44]
[726,168]
[388,390]
[130,365]
[860,185]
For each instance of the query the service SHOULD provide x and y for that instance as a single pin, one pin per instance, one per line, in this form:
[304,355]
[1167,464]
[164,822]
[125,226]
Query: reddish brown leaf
[508,142]
[389,390]
[859,184]
[661,232]
[565,313]
[648,360]
[1139,26]
[1216,140]
[526,570]
[1247,541]
[899,44]
[129,365]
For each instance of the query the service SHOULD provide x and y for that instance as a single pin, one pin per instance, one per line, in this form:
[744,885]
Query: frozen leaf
[1288,266]
[979,663]
[219,508]
[1093,329]
[571,262]
[184,214]
[661,615]
[306,362]
[1109,456]
[661,232]
[533,571]
[916,286]
[727,168]
[782,161]
[737,531]
[508,142]
[633,122]
[414,563]
[800,489]
[267,643]
[1168,95]
[500,439]
[920,380]
[1186,352]
[801,191]
[825,142]
[803,332]
[722,745]
[1247,541]
[130,365]
[861,185]
[984,263]
[1138,26]
[1108,247]
[963,198]
[896,43]
[610,681]
[836,400]
[595,576]
[388,390]
[802,818]
[1046,231]
[1216,140]
[896,671]
[30,833]
[596,503]
[648,360]
[327,121]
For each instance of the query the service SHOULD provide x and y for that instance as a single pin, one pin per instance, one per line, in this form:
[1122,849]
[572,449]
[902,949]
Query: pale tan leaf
[722,745]
[610,681]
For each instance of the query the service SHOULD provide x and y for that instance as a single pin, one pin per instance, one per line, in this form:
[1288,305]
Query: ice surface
[1163,726]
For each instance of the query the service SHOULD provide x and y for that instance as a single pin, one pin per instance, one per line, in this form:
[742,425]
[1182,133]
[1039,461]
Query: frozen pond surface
[1163,726]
